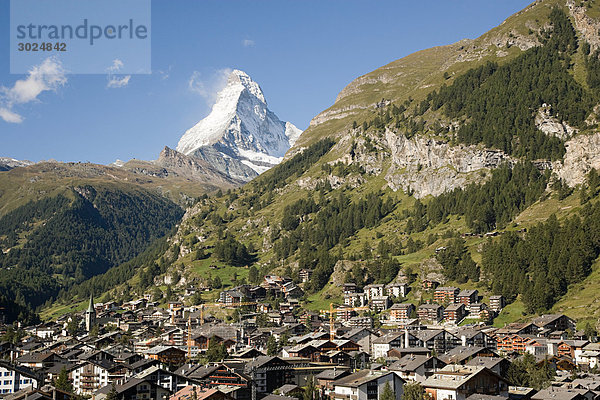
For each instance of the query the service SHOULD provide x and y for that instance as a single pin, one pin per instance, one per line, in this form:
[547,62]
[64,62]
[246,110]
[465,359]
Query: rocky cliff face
[587,27]
[191,167]
[583,154]
[551,126]
[428,167]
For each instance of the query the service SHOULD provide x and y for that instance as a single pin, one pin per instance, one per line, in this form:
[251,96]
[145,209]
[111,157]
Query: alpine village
[434,234]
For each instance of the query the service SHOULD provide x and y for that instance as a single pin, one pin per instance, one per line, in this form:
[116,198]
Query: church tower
[90,314]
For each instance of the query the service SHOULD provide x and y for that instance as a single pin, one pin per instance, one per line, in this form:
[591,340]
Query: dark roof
[261,361]
[288,388]
[409,362]
[144,362]
[35,357]
[332,374]
[360,378]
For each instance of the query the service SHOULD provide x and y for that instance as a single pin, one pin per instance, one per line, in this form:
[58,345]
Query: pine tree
[272,347]
[387,393]
[62,382]
[112,395]
[413,391]
[310,391]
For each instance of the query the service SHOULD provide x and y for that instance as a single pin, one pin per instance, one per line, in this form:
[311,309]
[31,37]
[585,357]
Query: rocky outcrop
[582,155]
[232,166]
[551,126]
[425,166]
[585,25]
[173,164]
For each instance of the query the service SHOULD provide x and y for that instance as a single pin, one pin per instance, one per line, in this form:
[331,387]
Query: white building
[367,384]
[13,378]
[397,289]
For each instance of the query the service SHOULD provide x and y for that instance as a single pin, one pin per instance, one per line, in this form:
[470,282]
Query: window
[7,382]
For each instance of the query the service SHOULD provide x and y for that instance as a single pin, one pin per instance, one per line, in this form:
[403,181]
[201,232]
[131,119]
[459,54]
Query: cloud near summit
[208,87]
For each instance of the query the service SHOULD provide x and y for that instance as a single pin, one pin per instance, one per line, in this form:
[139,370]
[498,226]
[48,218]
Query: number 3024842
[46,46]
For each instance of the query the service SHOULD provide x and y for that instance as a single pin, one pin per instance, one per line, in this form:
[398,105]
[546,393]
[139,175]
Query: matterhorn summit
[241,136]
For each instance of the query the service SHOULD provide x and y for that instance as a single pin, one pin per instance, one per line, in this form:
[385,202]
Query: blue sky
[302,53]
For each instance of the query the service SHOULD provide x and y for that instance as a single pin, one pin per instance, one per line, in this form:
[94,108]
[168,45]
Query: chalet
[417,367]
[325,379]
[515,343]
[461,354]
[303,351]
[375,290]
[430,312]
[355,299]
[497,303]
[221,375]
[304,274]
[446,295]
[385,343]
[455,382]
[364,321]
[589,357]
[93,375]
[336,357]
[134,388]
[401,311]
[380,303]
[368,384]
[38,360]
[292,291]
[571,348]
[518,328]
[432,339]
[498,365]
[350,288]
[554,322]
[468,297]
[454,312]
[169,380]
[231,297]
[169,355]
[476,337]
[397,289]
[269,373]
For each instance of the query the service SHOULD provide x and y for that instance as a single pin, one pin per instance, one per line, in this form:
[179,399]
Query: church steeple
[90,314]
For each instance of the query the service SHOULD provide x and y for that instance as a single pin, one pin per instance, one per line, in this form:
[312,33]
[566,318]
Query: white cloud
[113,81]
[48,76]
[10,116]
[116,66]
[209,87]
[248,43]
[164,75]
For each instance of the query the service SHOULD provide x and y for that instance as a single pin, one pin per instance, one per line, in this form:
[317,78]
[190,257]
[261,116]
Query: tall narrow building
[90,314]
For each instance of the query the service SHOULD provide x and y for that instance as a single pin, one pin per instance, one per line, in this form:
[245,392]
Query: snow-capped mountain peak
[240,134]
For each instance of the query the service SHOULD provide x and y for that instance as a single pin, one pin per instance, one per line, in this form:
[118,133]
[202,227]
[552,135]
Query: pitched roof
[360,378]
